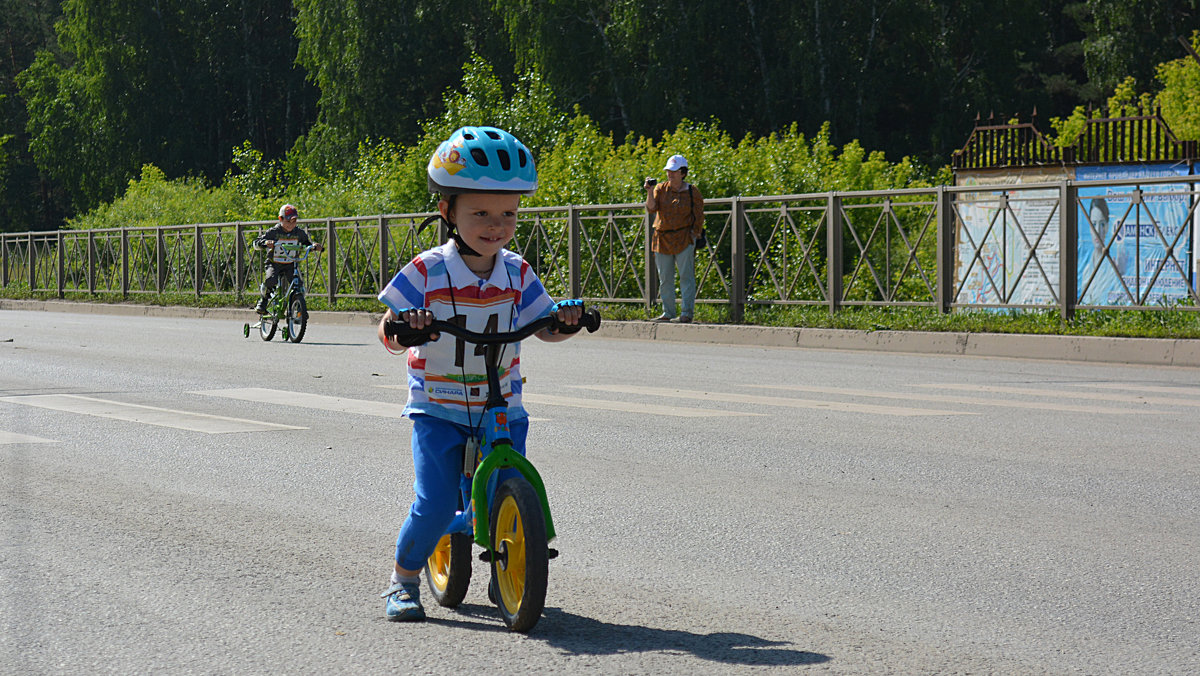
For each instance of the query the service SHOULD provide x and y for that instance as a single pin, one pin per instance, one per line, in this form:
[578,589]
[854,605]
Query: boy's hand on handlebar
[318,247]
[417,318]
[568,313]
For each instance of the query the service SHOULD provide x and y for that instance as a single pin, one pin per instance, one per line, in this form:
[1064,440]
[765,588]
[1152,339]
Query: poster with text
[1007,243]
[1132,253]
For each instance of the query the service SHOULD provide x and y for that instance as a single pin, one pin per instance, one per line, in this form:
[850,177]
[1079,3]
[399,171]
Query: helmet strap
[463,249]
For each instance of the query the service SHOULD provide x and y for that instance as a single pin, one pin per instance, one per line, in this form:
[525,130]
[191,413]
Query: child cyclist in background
[280,263]
[480,174]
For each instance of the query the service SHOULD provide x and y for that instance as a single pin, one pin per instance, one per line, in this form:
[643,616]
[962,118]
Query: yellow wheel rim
[510,539]
[439,564]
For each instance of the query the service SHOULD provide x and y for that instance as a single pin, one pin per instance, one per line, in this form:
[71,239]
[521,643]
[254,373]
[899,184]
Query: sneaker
[684,319]
[403,603]
[662,318]
[261,307]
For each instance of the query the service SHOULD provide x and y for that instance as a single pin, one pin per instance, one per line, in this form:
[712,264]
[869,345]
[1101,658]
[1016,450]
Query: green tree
[906,76]
[27,201]
[1127,38]
[1180,95]
[381,69]
[175,85]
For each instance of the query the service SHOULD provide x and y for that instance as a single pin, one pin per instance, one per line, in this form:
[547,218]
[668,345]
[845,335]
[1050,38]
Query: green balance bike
[286,306]
[510,521]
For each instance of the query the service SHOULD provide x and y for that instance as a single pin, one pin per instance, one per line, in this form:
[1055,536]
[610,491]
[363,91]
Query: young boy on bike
[480,174]
[280,263]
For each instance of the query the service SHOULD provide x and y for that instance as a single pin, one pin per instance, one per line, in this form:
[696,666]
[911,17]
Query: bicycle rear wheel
[520,562]
[448,569]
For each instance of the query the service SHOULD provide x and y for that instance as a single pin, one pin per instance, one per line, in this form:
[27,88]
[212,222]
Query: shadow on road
[586,636]
[580,635]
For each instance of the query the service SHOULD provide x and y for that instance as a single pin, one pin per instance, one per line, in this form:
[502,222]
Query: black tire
[448,569]
[297,319]
[520,562]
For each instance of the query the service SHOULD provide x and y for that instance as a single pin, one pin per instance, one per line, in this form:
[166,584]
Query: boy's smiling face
[487,222]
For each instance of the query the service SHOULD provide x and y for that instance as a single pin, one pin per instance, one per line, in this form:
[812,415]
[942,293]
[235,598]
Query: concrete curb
[1144,351]
[131,310]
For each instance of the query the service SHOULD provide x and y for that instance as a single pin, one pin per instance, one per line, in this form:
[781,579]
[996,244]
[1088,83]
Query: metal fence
[910,247]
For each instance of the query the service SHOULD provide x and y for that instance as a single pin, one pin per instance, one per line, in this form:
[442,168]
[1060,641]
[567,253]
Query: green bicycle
[287,306]
[510,520]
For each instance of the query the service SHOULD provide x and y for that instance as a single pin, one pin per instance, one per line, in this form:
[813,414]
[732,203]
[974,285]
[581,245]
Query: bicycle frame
[497,453]
[281,298]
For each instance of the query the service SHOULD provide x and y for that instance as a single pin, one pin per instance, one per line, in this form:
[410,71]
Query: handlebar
[408,336]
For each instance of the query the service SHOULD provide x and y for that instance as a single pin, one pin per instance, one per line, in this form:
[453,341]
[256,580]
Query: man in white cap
[678,207]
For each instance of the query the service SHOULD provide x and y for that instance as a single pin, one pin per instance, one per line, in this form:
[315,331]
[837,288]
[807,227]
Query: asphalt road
[719,509]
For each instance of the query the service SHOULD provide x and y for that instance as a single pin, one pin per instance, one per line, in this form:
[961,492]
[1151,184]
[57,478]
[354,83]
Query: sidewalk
[1146,351]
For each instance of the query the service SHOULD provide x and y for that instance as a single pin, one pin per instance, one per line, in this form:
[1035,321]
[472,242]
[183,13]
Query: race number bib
[455,370]
[285,254]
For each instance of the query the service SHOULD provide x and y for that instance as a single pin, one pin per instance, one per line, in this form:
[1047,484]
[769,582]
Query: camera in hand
[650,182]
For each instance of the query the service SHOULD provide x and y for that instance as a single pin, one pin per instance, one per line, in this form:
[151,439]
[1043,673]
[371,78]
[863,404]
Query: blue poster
[1133,253]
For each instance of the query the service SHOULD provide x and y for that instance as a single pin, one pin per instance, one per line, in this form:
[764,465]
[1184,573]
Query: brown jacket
[679,218]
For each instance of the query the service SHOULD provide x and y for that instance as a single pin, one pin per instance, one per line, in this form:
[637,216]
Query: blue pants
[685,261]
[437,450]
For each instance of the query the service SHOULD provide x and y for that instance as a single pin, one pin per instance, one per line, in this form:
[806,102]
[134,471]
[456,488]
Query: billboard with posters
[996,232]
[1123,245]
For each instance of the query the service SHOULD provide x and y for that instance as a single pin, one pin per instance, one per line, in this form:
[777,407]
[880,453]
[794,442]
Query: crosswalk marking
[215,424]
[14,438]
[1157,389]
[958,399]
[622,406]
[306,400]
[149,415]
[630,407]
[772,401]
[1096,396]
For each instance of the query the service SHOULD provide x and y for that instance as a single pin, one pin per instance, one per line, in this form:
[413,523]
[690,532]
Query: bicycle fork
[501,456]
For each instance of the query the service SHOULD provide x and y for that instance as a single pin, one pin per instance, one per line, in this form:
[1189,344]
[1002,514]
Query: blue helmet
[482,159]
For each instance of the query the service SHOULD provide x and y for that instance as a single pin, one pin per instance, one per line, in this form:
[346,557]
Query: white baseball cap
[675,163]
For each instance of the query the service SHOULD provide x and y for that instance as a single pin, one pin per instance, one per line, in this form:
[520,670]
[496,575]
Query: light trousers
[685,262]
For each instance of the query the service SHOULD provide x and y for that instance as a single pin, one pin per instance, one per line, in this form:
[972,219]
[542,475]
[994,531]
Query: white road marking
[149,415]
[14,438]
[305,400]
[771,401]
[958,399]
[1160,389]
[1096,396]
[630,407]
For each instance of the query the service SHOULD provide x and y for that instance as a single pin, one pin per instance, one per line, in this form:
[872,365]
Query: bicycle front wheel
[448,569]
[520,560]
[297,319]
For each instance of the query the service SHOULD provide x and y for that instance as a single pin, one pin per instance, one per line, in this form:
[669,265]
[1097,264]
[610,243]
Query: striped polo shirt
[447,375]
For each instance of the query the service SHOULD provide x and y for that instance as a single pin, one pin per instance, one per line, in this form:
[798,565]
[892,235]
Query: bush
[152,200]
